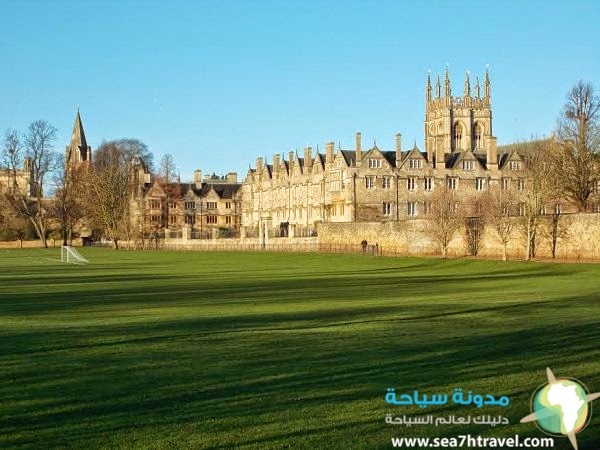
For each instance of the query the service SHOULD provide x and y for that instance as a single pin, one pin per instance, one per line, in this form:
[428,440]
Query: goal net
[69,255]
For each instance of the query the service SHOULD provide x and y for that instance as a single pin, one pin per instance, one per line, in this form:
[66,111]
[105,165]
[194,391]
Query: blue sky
[219,83]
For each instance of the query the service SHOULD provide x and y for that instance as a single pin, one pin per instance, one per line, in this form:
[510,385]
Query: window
[190,205]
[374,163]
[452,183]
[228,205]
[428,183]
[211,219]
[172,219]
[342,209]
[477,135]
[468,165]
[458,135]
[543,210]
[154,218]
[190,219]
[505,209]
[416,163]
[228,220]
[480,184]
[521,209]
[505,183]
[172,205]
[515,165]
[369,182]
[154,204]
[558,208]
[387,182]
[411,208]
[211,205]
[387,209]
[520,184]
[426,208]
[411,183]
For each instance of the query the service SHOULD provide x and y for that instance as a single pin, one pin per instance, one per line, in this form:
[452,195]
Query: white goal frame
[68,254]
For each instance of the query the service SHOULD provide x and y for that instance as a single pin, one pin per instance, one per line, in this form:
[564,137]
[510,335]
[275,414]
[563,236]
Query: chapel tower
[78,151]
[459,123]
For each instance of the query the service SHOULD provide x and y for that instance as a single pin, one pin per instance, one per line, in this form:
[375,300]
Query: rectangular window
[211,219]
[211,205]
[426,208]
[190,219]
[480,184]
[369,182]
[387,182]
[374,163]
[228,205]
[558,208]
[428,183]
[521,209]
[411,208]
[228,219]
[468,165]
[190,205]
[154,218]
[452,183]
[411,183]
[387,209]
[515,165]
[416,163]
[505,184]
[505,209]
[172,205]
[520,184]
[154,204]
[172,219]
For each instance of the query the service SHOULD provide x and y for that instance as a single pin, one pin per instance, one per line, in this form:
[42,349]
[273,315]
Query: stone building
[289,196]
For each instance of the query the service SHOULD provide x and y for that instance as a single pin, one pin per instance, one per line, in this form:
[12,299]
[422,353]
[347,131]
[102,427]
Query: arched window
[478,135]
[458,135]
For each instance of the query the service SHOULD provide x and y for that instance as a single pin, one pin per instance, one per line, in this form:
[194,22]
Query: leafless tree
[578,133]
[69,197]
[13,225]
[28,201]
[444,219]
[499,205]
[168,180]
[555,227]
[110,190]
[541,188]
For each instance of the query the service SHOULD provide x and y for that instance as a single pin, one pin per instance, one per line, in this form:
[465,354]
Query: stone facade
[373,185]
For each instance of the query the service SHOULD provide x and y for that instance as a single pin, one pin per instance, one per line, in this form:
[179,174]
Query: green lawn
[226,350]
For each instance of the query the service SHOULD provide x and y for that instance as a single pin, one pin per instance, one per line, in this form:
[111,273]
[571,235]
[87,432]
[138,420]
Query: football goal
[68,254]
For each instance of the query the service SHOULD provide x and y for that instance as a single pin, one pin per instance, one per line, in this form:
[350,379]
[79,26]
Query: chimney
[329,152]
[232,177]
[307,158]
[290,159]
[358,149]
[492,153]
[398,149]
[276,162]
[198,179]
[259,164]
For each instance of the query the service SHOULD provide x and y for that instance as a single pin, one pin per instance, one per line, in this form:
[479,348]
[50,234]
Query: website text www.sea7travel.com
[468,441]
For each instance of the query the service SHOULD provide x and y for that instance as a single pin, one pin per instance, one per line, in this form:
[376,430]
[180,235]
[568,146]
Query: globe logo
[561,407]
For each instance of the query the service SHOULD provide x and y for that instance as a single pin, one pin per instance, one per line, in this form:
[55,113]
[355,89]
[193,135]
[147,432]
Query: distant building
[370,184]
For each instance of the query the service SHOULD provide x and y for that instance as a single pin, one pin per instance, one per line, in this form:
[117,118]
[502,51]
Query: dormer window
[374,163]
[515,165]
[468,165]
[416,163]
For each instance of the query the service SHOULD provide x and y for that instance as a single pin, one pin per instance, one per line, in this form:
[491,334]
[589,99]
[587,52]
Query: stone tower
[458,123]
[78,151]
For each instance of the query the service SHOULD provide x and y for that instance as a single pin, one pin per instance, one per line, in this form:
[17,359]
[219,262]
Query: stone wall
[407,237]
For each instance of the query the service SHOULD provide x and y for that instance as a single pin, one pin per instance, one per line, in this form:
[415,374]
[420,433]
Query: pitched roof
[78,135]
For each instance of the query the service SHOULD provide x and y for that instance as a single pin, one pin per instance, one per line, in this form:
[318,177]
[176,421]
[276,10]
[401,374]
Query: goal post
[68,254]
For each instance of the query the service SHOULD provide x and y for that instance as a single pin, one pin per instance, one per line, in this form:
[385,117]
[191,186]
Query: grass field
[224,350]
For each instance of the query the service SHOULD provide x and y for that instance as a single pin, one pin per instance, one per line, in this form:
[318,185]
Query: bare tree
[555,227]
[110,190]
[541,187]
[29,202]
[69,195]
[167,178]
[579,141]
[499,205]
[444,219]
[13,225]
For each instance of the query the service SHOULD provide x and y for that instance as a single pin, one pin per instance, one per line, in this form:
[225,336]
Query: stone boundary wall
[406,237]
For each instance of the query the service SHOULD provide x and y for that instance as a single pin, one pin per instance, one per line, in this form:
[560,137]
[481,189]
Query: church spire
[78,149]
[447,90]
[467,85]
[477,92]
[487,82]
[438,88]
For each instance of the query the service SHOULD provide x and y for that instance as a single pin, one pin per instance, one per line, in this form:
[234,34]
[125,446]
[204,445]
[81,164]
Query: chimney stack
[492,153]
[276,162]
[259,164]
[329,152]
[198,179]
[398,149]
[358,158]
[232,177]
[290,159]
[307,158]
